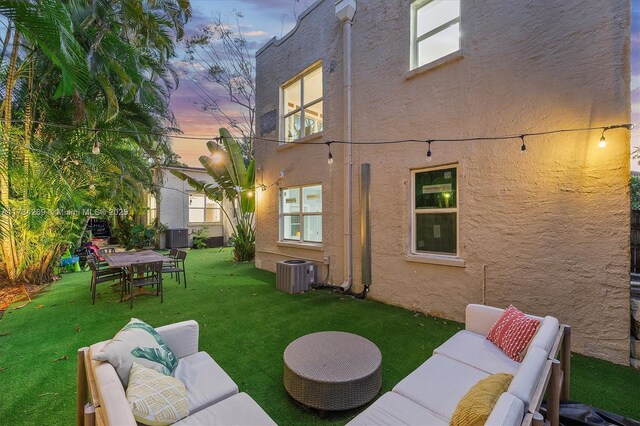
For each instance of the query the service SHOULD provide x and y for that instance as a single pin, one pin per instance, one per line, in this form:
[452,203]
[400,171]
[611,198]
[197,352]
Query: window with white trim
[301,214]
[152,206]
[203,209]
[435,30]
[434,211]
[301,110]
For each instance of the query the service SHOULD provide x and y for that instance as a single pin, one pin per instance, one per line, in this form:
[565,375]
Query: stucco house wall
[173,202]
[547,231]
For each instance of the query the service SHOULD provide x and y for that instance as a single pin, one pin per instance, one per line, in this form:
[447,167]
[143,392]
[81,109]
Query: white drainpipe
[345,10]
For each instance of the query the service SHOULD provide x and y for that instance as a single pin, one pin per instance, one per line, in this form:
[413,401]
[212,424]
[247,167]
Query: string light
[523,147]
[96,145]
[217,155]
[330,159]
[603,141]
[429,151]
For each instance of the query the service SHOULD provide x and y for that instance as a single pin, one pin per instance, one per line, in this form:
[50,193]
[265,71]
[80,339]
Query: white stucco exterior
[547,231]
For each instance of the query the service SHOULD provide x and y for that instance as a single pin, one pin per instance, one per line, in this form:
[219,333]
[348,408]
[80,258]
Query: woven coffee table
[332,370]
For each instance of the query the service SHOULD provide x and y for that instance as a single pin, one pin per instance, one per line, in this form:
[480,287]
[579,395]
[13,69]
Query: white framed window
[434,211]
[203,209]
[435,30]
[301,214]
[301,106]
[152,206]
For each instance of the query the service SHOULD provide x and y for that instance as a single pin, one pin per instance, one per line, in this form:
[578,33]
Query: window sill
[451,57]
[435,259]
[204,223]
[305,246]
[301,141]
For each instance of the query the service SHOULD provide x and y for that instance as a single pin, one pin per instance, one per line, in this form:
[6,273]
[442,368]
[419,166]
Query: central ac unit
[295,276]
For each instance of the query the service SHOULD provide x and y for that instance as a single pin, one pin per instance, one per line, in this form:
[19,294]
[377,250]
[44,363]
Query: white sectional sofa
[430,394]
[213,396]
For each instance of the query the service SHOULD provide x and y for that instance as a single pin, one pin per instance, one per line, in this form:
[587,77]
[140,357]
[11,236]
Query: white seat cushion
[526,380]
[238,410]
[205,381]
[508,411]
[394,409]
[546,335]
[439,384]
[475,350]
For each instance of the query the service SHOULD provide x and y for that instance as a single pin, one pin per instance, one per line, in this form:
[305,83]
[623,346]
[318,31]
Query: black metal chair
[102,275]
[176,266]
[143,274]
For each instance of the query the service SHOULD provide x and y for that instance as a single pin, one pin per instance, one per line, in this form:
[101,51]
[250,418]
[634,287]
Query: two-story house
[435,226]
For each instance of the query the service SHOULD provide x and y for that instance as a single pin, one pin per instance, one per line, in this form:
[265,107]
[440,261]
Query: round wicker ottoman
[332,370]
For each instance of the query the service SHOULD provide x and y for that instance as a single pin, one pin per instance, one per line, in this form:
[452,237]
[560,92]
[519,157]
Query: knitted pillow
[512,332]
[475,407]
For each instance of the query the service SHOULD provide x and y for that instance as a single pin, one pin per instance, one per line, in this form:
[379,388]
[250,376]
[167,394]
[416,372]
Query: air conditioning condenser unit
[295,276]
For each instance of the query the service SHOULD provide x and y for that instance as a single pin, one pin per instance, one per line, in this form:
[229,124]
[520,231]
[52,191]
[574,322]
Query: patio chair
[176,266]
[143,274]
[102,275]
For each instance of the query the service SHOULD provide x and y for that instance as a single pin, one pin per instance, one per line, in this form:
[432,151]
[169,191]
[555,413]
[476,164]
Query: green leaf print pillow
[137,342]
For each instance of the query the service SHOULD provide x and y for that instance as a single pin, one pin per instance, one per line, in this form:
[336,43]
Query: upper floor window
[301,214]
[435,30]
[301,109]
[435,211]
[152,205]
[203,209]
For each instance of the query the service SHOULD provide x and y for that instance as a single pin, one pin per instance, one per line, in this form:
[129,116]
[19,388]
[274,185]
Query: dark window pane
[436,233]
[436,189]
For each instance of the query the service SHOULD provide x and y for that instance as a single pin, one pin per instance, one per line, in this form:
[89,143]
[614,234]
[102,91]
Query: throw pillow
[138,342]
[512,332]
[475,407]
[156,399]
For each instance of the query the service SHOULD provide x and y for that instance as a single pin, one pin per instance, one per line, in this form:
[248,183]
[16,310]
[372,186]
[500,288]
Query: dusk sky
[264,19]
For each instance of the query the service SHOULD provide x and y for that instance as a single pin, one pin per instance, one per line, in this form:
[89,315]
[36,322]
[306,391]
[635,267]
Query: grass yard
[245,324]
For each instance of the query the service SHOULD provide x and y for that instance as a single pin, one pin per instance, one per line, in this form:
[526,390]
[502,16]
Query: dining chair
[176,266]
[143,274]
[102,275]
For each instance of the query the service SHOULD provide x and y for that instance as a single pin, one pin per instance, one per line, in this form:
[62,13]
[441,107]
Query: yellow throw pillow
[475,407]
[156,399]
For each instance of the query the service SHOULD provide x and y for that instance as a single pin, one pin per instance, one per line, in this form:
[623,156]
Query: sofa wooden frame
[554,381]
[88,409]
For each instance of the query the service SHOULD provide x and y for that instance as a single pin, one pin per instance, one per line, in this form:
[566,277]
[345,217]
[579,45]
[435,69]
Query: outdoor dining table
[126,259]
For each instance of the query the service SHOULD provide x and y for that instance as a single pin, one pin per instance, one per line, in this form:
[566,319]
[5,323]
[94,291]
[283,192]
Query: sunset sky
[264,19]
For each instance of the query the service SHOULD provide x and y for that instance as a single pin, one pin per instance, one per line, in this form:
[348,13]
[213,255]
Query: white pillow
[138,342]
[156,399]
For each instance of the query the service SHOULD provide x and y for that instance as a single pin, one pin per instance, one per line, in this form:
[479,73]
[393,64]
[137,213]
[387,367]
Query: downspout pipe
[345,10]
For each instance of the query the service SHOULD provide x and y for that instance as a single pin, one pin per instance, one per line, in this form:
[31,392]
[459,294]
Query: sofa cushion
[512,332]
[480,318]
[546,335]
[508,411]
[205,381]
[475,407]
[526,379]
[475,350]
[238,410]
[139,342]
[156,399]
[394,409]
[439,383]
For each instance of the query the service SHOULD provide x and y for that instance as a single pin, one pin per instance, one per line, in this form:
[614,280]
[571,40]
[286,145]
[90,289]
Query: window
[435,30]
[301,214]
[203,209]
[152,205]
[301,109]
[435,211]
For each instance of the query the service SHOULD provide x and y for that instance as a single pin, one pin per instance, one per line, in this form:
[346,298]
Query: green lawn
[245,324]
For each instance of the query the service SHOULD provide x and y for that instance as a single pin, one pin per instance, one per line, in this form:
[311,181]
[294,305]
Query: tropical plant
[234,182]
[200,238]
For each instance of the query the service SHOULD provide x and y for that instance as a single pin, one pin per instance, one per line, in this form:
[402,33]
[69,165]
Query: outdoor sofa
[430,394]
[213,396]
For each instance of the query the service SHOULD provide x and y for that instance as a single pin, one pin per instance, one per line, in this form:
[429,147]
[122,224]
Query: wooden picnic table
[127,258]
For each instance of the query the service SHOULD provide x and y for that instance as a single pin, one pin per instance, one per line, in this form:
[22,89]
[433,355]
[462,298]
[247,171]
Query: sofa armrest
[181,337]
[508,411]
[479,318]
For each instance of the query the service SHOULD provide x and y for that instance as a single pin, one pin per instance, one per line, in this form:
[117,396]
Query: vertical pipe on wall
[345,10]
[365,223]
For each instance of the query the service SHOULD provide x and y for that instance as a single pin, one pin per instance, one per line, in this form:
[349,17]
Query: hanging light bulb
[92,187]
[217,155]
[429,152]
[330,159]
[523,147]
[250,194]
[96,147]
[603,141]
